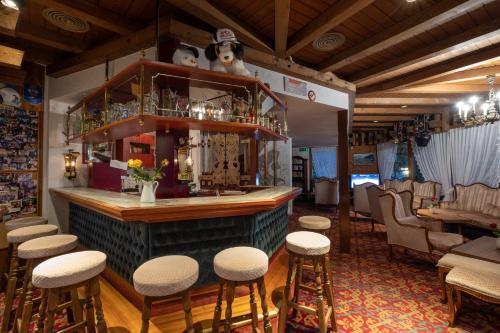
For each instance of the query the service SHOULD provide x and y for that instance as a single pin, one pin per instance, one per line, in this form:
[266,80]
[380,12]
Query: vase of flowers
[496,232]
[433,205]
[148,177]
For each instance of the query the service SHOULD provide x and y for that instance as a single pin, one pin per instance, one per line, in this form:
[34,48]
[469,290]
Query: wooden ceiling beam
[383,118]
[399,101]
[328,20]
[469,37]
[281,19]
[465,75]
[462,88]
[12,75]
[8,19]
[207,12]
[422,21]
[397,110]
[49,38]
[91,13]
[32,52]
[372,124]
[438,69]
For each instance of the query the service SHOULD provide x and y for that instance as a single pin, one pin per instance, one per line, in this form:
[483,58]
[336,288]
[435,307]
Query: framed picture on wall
[364,159]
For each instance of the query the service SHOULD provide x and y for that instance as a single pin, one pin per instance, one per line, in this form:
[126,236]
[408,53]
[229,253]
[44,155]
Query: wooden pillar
[343,176]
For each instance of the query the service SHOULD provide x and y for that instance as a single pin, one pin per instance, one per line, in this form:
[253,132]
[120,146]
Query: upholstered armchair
[326,192]
[409,235]
[360,199]
[398,185]
[424,192]
[373,192]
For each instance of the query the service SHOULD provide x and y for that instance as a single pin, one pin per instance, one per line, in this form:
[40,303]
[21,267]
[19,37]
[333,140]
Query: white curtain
[474,154]
[324,160]
[434,161]
[386,156]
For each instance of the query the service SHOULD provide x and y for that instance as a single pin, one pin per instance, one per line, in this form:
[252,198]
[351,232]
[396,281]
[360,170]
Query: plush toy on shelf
[185,56]
[226,54]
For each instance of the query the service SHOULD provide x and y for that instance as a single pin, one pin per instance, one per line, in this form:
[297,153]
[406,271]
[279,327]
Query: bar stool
[64,274]
[164,277]
[306,245]
[315,223]
[241,266]
[16,237]
[35,251]
[24,222]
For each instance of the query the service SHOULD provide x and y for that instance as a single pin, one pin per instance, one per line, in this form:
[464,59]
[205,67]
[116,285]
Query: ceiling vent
[329,41]
[65,21]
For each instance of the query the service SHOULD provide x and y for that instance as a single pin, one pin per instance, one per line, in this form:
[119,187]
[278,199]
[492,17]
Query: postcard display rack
[19,160]
[150,96]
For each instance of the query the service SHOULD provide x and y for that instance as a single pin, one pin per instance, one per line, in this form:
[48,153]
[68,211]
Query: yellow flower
[165,163]
[134,163]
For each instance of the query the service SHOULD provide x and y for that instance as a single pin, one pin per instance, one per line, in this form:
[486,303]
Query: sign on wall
[294,86]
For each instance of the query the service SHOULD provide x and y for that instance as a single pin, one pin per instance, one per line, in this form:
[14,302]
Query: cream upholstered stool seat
[65,273]
[484,285]
[166,276]
[301,246]
[450,260]
[315,223]
[237,266]
[16,237]
[34,251]
[24,222]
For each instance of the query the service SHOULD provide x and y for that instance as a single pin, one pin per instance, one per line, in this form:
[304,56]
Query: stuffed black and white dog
[185,56]
[226,54]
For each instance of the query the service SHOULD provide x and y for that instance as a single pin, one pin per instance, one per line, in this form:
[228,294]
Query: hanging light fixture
[471,114]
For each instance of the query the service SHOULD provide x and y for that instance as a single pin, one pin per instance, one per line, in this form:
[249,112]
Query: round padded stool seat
[166,275]
[241,263]
[24,222]
[27,233]
[47,246]
[307,243]
[315,222]
[68,269]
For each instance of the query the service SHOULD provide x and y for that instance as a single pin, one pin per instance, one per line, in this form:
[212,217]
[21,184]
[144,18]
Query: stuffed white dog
[226,54]
[185,56]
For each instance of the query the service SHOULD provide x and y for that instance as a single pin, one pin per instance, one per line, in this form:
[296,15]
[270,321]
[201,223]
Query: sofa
[423,192]
[478,203]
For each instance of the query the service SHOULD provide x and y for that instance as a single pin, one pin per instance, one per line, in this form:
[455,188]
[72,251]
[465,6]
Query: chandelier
[470,115]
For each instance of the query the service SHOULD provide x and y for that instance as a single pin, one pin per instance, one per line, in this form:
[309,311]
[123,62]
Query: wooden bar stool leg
[52,301]
[297,283]
[96,294]
[286,296]
[229,304]
[319,296]
[253,308]
[77,309]
[10,292]
[262,293]
[451,305]
[41,312]
[218,308]
[327,276]
[146,314]
[188,316]
[89,310]
[25,306]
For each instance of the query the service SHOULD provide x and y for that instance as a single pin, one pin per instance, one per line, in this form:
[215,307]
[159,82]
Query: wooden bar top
[127,207]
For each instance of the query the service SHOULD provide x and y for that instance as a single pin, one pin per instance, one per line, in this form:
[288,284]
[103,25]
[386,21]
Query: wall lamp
[70,164]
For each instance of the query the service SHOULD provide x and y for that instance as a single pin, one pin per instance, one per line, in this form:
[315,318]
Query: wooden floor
[123,316]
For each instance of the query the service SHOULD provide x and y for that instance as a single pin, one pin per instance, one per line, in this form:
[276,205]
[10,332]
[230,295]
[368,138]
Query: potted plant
[496,232]
[148,177]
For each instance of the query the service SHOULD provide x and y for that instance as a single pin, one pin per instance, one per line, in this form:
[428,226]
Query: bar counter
[131,232]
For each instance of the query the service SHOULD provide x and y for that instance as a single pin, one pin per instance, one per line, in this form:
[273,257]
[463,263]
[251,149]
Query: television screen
[357,179]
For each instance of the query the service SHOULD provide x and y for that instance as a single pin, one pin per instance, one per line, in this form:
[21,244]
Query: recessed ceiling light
[410,1]
[375,121]
[404,106]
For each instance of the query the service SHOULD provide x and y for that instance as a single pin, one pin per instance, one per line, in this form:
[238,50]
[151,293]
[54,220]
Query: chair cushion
[431,225]
[48,246]
[444,241]
[315,222]
[486,283]
[166,275]
[68,269]
[24,222]
[241,263]
[307,243]
[26,233]
[451,260]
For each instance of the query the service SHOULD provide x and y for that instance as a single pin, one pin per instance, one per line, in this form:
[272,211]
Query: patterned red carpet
[375,295]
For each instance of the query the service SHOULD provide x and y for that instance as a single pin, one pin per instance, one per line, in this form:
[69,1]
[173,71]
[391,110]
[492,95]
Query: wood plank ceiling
[425,54]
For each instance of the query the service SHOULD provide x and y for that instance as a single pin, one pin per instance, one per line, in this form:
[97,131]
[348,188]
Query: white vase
[148,191]
[498,243]
[433,210]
